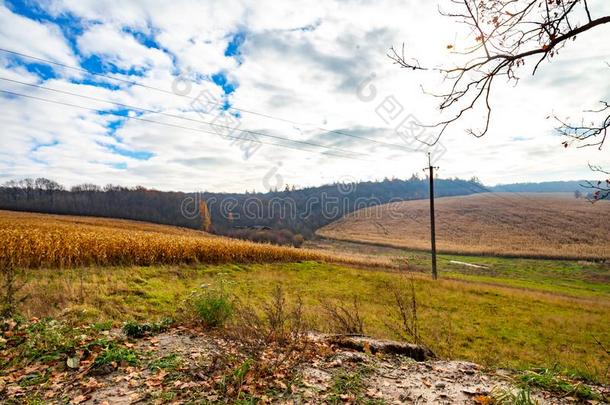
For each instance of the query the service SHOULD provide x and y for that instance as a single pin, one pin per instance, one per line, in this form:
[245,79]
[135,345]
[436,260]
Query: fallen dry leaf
[80,399]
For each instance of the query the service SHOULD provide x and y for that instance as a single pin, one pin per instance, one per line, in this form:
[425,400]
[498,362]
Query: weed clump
[136,330]
[47,340]
[551,381]
[170,362]
[272,341]
[344,319]
[115,355]
[11,281]
[508,397]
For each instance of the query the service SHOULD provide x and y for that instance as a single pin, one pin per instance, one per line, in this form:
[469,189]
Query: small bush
[344,319]
[12,281]
[274,320]
[405,300]
[297,240]
[282,237]
[211,307]
[283,324]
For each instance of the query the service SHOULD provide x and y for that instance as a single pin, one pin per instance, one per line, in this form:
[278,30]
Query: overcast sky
[279,70]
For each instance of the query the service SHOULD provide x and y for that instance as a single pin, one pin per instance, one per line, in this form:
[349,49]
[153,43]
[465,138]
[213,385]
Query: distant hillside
[299,211]
[545,187]
[503,224]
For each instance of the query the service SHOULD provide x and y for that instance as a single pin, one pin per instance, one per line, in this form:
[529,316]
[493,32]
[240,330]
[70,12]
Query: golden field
[39,240]
[502,224]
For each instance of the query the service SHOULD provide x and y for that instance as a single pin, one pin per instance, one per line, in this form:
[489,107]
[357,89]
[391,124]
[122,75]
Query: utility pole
[432,226]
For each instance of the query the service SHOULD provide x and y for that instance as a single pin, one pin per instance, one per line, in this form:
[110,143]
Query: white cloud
[299,62]
[120,48]
[23,35]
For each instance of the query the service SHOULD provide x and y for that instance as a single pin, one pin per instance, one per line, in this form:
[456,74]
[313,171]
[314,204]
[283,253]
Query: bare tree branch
[594,134]
[601,188]
[508,34]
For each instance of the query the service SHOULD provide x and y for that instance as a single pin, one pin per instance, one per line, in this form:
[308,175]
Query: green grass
[550,380]
[576,278]
[511,397]
[48,340]
[346,383]
[136,330]
[517,320]
[115,354]
[170,362]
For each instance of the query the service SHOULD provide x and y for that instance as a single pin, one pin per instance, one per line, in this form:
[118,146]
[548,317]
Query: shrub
[406,306]
[11,281]
[297,240]
[211,307]
[282,237]
[344,319]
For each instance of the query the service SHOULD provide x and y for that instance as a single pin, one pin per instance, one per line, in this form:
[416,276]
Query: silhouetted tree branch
[507,34]
[600,189]
[594,133]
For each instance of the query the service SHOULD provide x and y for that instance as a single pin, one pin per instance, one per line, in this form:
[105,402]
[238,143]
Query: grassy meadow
[495,324]
[580,278]
[499,224]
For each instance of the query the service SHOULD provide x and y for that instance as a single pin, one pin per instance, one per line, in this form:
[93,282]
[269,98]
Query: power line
[307,143]
[387,144]
[169,125]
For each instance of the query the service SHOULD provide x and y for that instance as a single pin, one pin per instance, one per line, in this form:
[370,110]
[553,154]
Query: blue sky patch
[95,64]
[42,70]
[146,39]
[220,79]
[134,154]
[120,166]
[114,125]
[97,82]
[234,45]
[40,145]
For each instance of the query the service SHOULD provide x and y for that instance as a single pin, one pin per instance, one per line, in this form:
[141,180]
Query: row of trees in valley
[284,217]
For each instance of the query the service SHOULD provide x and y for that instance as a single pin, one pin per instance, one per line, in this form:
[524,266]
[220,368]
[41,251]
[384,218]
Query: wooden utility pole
[432,225]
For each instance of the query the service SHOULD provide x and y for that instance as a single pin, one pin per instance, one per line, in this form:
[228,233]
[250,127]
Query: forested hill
[545,187]
[297,210]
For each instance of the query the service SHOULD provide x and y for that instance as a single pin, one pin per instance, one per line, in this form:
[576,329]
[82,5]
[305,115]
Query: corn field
[49,241]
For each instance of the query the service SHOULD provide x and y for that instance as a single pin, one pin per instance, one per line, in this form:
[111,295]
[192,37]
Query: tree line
[245,215]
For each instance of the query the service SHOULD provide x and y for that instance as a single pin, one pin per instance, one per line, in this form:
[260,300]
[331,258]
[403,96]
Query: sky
[203,95]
